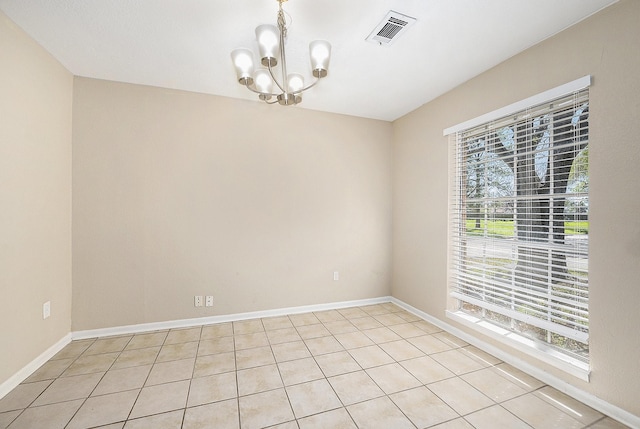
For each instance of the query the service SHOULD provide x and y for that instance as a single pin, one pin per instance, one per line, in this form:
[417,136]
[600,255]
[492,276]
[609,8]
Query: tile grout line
[235,366]
[146,378]
[49,385]
[101,378]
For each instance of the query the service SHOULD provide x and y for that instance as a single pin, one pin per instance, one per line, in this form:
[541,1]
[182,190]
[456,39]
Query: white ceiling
[185,44]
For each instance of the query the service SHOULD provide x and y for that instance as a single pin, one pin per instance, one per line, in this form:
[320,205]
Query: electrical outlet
[336,276]
[46,309]
[208,301]
[197,300]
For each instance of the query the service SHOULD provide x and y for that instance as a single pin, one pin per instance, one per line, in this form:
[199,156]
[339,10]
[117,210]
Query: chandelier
[271,41]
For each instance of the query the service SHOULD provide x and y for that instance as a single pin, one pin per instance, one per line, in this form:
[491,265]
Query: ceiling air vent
[390,28]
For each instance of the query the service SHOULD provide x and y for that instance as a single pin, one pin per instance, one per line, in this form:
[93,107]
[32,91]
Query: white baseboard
[185,323]
[593,401]
[29,369]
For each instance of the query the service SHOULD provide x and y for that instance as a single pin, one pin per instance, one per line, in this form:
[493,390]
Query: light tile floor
[368,367]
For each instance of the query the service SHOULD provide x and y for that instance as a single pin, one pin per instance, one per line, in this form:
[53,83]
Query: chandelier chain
[282,23]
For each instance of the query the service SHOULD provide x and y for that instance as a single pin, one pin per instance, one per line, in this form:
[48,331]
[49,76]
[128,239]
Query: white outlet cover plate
[46,309]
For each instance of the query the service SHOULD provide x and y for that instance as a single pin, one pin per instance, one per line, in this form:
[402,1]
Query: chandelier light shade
[243,62]
[320,52]
[268,44]
[263,82]
[271,47]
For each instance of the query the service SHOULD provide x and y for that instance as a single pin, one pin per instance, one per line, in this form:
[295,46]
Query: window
[519,222]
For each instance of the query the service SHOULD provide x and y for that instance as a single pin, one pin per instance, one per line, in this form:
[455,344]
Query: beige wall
[178,194]
[35,199]
[605,46]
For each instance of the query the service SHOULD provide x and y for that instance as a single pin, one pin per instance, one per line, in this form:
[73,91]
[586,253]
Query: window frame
[547,353]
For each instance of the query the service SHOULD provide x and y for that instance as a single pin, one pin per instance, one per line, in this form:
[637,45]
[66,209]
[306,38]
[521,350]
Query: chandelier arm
[274,79]
[300,91]
[252,89]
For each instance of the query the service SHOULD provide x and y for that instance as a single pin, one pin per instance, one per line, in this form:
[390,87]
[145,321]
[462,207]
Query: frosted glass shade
[268,38]
[243,62]
[320,53]
[263,81]
[296,82]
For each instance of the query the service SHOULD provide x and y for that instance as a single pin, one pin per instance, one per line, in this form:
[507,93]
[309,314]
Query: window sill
[548,355]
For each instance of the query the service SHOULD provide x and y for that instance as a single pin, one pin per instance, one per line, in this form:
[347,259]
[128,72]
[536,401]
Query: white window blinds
[519,221]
